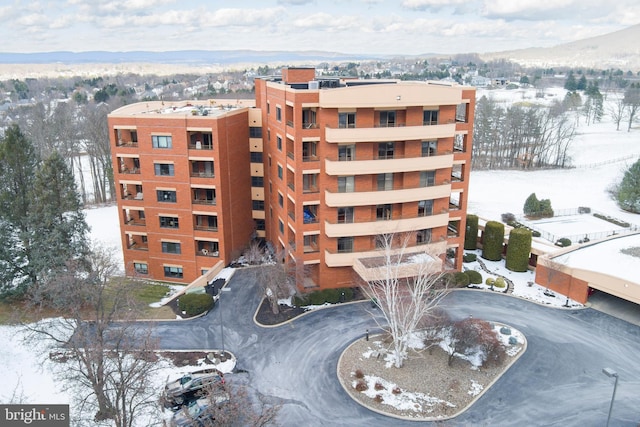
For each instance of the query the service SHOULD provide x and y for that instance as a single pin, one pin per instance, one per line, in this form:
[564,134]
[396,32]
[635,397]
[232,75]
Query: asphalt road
[557,382]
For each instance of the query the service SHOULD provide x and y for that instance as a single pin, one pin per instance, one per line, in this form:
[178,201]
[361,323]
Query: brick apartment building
[319,167]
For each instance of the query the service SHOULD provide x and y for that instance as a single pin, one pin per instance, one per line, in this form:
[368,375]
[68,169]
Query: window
[310,214]
[281,226]
[171,248]
[134,136]
[174,272]
[268,108]
[346,152]
[345,215]
[423,236]
[257,181]
[425,207]
[384,212]
[169,221]
[430,117]
[260,224]
[429,148]
[256,157]
[141,267]
[255,132]
[280,200]
[310,243]
[163,169]
[345,244]
[427,178]
[310,183]
[387,119]
[385,181]
[461,113]
[161,141]
[206,222]
[278,114]
[346,184]
[208,248]
[308,119]
[459,142]
[385,150]
[280,172]
[309,151]
[167,196]
[279,143]
[257,205]
[346,120]
[204,196]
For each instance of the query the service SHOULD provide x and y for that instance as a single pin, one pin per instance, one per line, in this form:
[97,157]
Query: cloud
[326,22]
[431,4]
[296,2]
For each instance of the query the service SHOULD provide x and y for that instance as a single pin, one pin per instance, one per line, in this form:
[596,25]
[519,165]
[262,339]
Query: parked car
[191,386]
[196,412]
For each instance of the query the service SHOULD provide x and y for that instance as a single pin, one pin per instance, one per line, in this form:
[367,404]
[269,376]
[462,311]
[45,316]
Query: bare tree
[107,358]
[278,277]
[234,404]
[617,111]
[409,288]
[470,336]
[632,102]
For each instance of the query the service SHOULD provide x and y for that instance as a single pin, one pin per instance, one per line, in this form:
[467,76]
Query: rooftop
[197,108]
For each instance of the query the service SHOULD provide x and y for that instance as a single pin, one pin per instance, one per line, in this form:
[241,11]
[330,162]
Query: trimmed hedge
[499,283]
[493,241]
[490,281]
[475,278]
[194,304]
[459,279]
[332,296]
[471,233]
[518,250]
[469,257]
[563,242]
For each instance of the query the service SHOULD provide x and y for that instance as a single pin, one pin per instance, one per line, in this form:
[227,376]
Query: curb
[347,389]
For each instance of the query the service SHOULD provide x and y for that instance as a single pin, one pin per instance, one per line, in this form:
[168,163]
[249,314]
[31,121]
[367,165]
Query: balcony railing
[203,201]
[206,228]
[292,216]
[138,222]
[200,147]
[309,125]
[138,246]
[291,186]
[128,196]
[290,155]
[203,175]
[132,171]
[208,253]
[310,158]
[126,144]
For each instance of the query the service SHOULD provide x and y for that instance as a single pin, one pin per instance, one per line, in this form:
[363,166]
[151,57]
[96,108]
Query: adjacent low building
[320,167]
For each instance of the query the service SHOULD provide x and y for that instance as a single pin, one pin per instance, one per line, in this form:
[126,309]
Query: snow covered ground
[599,152]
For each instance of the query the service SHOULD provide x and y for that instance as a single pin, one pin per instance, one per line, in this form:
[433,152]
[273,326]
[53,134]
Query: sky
[407,27]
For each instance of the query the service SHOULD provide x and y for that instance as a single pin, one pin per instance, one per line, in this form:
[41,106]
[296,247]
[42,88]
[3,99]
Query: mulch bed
[265,315]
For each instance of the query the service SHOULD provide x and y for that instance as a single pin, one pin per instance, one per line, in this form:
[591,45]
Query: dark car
[196,412]
[191,386]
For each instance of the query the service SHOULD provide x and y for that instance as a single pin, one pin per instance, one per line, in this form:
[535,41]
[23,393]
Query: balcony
[374,268]
[136,246]
[367,198]
[349,259]
[140,222]
[373,228]
[395,165]
[204,201]
[383,134]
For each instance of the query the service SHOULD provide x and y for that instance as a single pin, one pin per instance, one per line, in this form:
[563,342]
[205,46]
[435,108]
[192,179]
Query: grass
[144,293]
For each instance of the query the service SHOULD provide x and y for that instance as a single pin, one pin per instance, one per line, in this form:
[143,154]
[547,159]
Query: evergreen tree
[531,205]
[571,85]
[628,191]
[41,221]
[18,164]
[57,217]
[582,83]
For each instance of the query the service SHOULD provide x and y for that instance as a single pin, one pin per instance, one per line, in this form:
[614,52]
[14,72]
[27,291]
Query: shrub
[545,209]
[396,390]
[359,373]
[378,386]
[460,279]
[475,277]
[361,385]
[378,398]
[536,233]
[331,296]
[518,250]
[499,283]
[471,233]
[531,205]
[194,304]
[490,281]
[493,241]
[469,257]
[508,218]
[563,242]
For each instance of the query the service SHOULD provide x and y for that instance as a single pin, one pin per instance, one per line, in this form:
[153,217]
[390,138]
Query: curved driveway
[557,382]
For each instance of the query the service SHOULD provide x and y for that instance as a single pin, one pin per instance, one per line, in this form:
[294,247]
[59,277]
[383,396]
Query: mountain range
[620,49]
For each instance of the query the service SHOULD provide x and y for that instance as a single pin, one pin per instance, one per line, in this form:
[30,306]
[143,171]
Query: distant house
[480,81]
